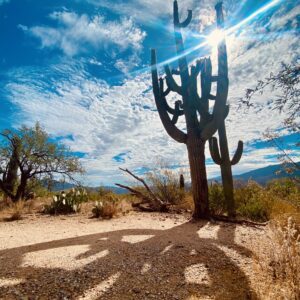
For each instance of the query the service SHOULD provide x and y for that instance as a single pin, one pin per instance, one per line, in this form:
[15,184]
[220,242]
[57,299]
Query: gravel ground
[138,256]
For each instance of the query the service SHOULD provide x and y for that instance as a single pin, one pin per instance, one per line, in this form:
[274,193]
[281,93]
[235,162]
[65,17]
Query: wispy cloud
[76,34]
[144,11]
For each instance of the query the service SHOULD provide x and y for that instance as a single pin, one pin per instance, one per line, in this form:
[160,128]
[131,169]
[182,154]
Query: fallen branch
[144,184]
[135,192]
[154,202]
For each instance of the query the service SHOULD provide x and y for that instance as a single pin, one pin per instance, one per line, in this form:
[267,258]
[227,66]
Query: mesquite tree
[200,123]
[29,153]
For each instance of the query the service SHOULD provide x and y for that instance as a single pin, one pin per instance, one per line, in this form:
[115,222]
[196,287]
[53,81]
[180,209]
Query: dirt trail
[139,256]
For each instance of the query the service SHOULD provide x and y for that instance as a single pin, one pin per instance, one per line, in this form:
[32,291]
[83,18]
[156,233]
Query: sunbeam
[214,37]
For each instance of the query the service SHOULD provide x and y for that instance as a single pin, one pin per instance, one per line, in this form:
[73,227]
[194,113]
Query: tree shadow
[167,264]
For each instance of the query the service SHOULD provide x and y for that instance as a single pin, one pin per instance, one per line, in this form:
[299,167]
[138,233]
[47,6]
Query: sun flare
[215,37]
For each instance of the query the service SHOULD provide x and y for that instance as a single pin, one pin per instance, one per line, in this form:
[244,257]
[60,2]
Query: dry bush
[165,185]
[282,259]
[16,211]
[107,208]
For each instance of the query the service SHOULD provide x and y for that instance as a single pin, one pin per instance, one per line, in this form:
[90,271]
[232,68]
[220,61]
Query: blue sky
[80,68]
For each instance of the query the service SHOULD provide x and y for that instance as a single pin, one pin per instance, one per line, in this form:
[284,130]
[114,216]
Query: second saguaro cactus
[221,157]
[201,124]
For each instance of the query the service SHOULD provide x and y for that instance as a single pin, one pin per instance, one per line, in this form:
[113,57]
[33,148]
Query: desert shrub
[166,186]
[17,211]
[107,207]
[284,187]
[253,202]
[216,199]
[67,203]
[283,258]
[13,211]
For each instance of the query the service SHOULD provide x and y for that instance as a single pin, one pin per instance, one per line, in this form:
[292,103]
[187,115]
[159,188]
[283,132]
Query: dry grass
[282,259]
[15,211]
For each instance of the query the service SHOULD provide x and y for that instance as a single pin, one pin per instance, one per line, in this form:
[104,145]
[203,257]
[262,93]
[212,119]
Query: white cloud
[144,11]
[76,34]
[108,120]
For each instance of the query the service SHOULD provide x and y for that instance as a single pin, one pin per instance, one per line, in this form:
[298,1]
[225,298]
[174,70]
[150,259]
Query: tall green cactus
[200,123]
[222,157]
[10,177]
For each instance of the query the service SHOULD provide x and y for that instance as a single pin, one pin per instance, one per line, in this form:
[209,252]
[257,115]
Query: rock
[136,290]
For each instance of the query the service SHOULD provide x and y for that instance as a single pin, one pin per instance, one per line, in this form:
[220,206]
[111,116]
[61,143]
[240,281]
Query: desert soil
[138,256]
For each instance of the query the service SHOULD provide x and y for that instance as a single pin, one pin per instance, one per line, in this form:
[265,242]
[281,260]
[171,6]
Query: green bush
[216,199]
[107,208]
[253,202]
[258,203]
[67,203]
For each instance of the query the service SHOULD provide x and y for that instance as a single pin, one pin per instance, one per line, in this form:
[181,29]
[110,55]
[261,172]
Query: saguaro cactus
[10,177]
[200,123]
[222,157]
[181,182]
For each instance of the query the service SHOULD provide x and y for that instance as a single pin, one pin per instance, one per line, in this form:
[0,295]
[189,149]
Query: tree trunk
[21,189]
[196,155]
[226,171]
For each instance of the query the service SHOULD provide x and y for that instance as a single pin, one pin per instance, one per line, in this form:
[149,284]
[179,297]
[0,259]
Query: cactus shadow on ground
[166,254]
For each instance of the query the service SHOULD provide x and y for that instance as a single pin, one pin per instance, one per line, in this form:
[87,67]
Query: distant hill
[262,175]
[61,186]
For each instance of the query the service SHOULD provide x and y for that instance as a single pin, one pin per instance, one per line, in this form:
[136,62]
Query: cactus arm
[222,83]
[177,112]
[182,61]
[171,129]
[167,92]
[226,111]
[177,22]
[172,85]
[206,79]
[238,154]
[175,72]
[219,110]
[199,66]
[164,101]
[214,151]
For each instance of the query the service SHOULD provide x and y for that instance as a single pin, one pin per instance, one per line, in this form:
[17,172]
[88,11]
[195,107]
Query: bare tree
[287,83]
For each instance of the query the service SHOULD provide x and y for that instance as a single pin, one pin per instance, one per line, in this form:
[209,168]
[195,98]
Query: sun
[215,37]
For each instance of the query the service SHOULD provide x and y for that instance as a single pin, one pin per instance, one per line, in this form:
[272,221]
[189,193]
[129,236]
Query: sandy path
[139,256]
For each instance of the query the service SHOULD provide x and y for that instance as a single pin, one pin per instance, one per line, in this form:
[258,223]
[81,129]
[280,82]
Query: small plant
[107,208]
[67,203]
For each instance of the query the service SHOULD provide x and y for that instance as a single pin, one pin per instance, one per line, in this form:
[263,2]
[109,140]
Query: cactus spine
[200,123]
[221,157]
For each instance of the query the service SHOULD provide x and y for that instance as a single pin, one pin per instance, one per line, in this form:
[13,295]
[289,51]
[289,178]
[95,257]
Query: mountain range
[261,175]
